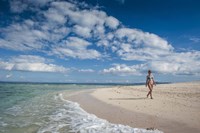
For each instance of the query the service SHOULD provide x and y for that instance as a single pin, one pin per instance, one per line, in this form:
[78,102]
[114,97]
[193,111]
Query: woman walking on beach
[150,82]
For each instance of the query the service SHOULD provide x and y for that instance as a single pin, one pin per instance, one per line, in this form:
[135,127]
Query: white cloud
[187,63]
[112,22]
[195,39]
[94,17]
[55,16]
[31,35]
[86,70]
[28,58]
[82,31]
[69,29]
[138,45]
[38,67]
[110,36]
[103,42]
[6,65]
[63,6]
[190,68]
[140,54]
[9,75]
[142,39]
[22,37]
[123,70]
[31,63]
[51,26]
[17,6]
[77,48]
[54,25]
[178,63]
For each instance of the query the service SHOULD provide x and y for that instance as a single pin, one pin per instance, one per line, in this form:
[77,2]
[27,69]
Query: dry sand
[175,107]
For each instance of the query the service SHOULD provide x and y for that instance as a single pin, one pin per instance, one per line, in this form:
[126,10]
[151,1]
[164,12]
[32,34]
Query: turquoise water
[41,108]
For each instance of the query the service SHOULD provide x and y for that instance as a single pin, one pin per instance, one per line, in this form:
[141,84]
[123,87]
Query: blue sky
[99,40]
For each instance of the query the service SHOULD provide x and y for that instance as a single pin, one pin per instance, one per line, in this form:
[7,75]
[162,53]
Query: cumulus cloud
[55,16]
[17,6]
[178,63]
[195,39]
[123,69]
[82,31]
[88,18]
[86,70]
[76,48]
[9,75]
[187,63]
[112,22]
[69,29]
[141,45]
[31,63]
[52,25]
[60,21]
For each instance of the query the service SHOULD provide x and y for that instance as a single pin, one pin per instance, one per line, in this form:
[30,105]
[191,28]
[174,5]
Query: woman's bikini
[150,79]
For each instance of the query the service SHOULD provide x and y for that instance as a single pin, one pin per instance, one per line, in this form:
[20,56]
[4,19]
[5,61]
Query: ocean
[41,108]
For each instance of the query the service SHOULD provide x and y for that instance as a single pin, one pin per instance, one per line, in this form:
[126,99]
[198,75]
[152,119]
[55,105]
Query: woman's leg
[151,91]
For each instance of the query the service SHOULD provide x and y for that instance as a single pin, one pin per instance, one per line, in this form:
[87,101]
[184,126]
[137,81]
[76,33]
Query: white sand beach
[175,107]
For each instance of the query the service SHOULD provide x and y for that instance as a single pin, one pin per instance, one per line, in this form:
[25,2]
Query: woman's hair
[149,71]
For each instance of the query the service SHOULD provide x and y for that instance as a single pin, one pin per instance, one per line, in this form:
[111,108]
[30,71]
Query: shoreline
[111,104]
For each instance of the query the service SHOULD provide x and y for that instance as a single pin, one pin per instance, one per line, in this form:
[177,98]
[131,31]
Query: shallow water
[40,108]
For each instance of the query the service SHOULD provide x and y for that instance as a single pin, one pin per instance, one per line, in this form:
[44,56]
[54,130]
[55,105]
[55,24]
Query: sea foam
[71,115]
